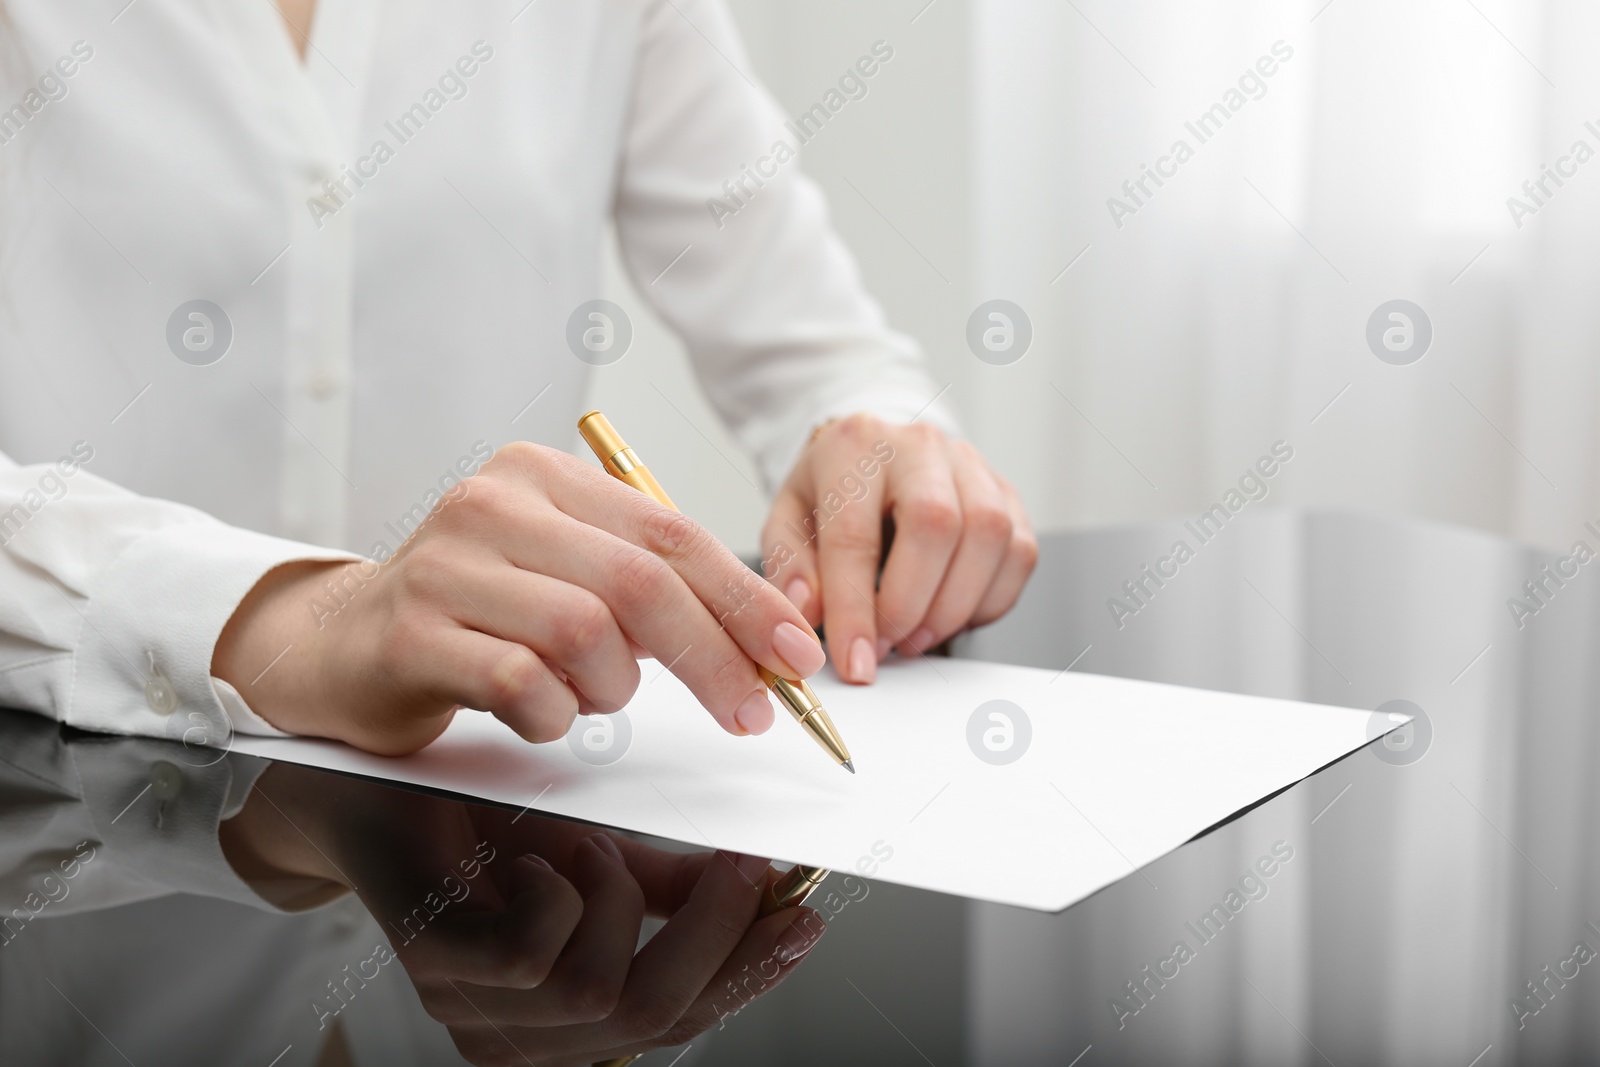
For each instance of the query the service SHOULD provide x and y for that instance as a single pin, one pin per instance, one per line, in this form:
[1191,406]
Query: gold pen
[622,462]
[796,884]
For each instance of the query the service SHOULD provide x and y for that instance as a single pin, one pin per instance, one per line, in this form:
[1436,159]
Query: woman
[277,282]
[280,278]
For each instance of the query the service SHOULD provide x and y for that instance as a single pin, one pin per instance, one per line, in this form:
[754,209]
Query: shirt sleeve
[97,822]
[732,245]
[111,603]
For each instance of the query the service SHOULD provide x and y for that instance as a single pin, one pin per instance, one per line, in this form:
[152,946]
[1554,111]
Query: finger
[666,878]
[985,539]
[1021,557]
[771,949]
[789,554]
[654,606]
[765,625]
[586,981]
[669,973]
[509,681]
[848,546]
[922,498]
[769,952]
[568,627]
[515,947]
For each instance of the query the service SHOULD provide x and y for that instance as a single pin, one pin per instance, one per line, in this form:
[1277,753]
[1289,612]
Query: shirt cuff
[151,625]
[244,720]
[156,810]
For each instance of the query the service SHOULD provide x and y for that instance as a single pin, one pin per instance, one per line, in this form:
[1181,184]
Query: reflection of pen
[793,886]
[621,462]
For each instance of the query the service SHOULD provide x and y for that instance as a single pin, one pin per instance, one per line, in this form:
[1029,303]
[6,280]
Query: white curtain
[1229,310]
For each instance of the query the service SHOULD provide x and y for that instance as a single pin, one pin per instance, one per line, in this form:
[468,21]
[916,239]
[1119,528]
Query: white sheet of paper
[1115,774]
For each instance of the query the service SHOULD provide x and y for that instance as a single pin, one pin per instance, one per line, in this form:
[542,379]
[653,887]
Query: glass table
[1426,900]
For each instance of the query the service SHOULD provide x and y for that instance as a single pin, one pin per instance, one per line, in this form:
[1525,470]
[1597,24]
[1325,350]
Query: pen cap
[601,435]
[619,460]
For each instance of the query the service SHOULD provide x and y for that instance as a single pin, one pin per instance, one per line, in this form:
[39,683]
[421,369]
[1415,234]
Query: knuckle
[859,427]
[520,972]
[425,558]
[723,928]
[731,673]
[418,583]
[584,626]
[640,578]
[510,676]
[668,533]
[651,1016]
[1025,547]
[590,998]
[853,535]
[989,524]
[524,454]
[966,450]
[486,499]
[924,434]
[524,959]
[933,516]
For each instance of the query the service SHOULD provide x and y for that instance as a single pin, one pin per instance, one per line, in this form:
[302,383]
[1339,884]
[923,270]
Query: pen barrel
[640,478]
[791,888]
[618,459]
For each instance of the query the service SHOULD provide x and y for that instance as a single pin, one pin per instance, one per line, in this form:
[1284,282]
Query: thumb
[789,553]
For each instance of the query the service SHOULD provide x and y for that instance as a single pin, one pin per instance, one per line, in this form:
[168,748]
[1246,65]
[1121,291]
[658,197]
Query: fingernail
[800,938]
[755,714]
[538,861]
[799,648]
[884,644]
[604,843]
[920,640]
[863,664]
[799,592]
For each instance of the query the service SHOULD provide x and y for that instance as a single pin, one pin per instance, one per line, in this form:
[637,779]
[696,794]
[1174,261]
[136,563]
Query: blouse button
[159,694]
[165,781]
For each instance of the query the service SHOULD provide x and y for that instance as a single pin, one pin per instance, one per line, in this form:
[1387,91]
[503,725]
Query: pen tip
[849,765]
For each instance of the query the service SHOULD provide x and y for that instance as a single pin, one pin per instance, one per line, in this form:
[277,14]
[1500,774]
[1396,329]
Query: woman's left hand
[962,545]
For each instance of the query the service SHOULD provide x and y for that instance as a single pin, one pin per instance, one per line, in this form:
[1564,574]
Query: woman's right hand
[521,933]
[527,593]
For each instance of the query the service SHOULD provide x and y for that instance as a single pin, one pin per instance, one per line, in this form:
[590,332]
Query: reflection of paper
[1111,773]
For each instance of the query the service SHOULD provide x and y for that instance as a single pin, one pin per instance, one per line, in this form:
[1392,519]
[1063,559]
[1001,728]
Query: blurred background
[1176,338]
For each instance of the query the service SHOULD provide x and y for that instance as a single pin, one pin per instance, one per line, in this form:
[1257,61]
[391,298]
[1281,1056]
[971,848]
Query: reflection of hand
[962,548]
[520,932]
[523,595]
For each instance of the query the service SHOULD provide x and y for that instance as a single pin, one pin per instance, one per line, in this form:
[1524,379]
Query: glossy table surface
[1427,900]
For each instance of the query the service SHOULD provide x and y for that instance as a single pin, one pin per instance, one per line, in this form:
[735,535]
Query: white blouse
[303,299]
